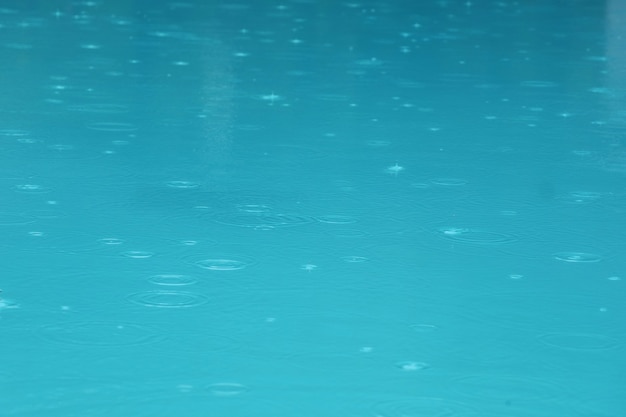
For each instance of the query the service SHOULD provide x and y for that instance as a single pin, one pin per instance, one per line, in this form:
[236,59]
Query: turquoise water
[313,208]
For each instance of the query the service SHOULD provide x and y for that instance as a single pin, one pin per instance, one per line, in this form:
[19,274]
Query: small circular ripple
[243,198]
[355,259]
[419,407]
[14,133]
[336,219]
[185,185]
[548,241]
[282,152]
[473,236]
[137,254]
[101,108]
[253,208]
[580,197]
[412,366]
[101,333]
[167,299]
[538,84]
[227,389]
[579,341]
[262,220]
[221,262]
[577,257]
[47,214]
[8,304]
[63,242]
[173,280]
[424,328]
[449,182]
[31,189]
[110,241]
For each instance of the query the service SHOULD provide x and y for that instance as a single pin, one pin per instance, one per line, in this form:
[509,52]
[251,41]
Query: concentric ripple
[172,280]
[31,189]
[577,257]
[336,219]
[354,259]
[227,389]
[183,184]
[586,342]
[474,236]
[262,219]
[167,299]
[101,108]
[101,333]
[580,197]
[224,264]
[412,366]
[449,182]
[424,328]
[137,254]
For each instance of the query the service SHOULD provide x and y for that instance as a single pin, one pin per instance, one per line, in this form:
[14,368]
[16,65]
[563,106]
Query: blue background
[313,208]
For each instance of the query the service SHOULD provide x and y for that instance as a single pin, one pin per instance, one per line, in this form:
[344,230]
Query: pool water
[313,208]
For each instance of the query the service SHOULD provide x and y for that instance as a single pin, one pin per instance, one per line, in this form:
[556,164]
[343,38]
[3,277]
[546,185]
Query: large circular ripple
[173,280]
[221,262]
[584,342]
[168,299]
[262,220]
[475,236]
[577,257]
[101,333]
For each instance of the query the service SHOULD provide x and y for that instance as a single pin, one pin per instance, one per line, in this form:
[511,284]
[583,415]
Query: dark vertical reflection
[217,94]
[616,57]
